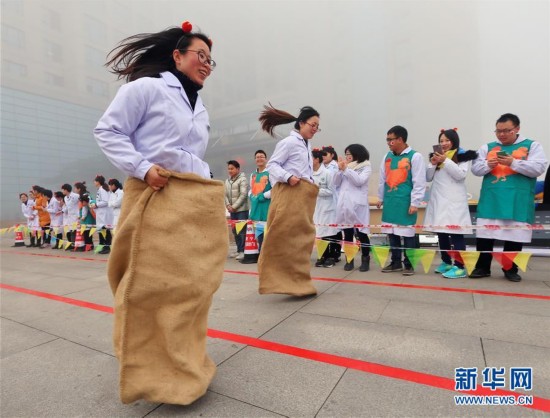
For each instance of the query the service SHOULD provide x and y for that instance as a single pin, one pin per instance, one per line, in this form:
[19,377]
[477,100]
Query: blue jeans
[240,237]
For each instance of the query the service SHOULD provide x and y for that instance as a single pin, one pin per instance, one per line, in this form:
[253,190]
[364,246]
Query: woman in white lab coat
[352,179]
[171,244]
[115,199]
[448,204]
[325,212]
[103,214]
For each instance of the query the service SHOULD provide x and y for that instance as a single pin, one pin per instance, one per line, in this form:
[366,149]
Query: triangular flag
[521,260]
[92,231]
[98,248]
[259,229]
[66,229]
[350,250]
[103,233]
[321,247]
[380,254]
[82,229]
[87,247]
[455,255]
[68,244]
[469,259]
[55,230]
[504,261]
[414,255]
[39,233]
[239,226]
[54,239]
[75,224]
[3,231]
[426,259]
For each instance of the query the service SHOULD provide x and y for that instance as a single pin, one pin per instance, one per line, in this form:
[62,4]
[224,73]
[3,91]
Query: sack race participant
[156,131]
[284,264]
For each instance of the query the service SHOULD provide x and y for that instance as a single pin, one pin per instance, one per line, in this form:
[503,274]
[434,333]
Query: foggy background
[364,65]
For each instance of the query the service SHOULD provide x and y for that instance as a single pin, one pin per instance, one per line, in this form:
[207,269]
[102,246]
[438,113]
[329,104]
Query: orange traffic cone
[251,251]
[19,240]
[79,241]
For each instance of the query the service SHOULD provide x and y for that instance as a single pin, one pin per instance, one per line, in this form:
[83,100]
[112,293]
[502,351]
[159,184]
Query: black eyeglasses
[314,126]
[391,139]
[504,131]
[203,58]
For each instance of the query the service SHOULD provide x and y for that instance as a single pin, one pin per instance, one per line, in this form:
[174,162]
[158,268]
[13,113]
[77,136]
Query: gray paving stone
[212,405]
[17,337]
[422,351]
[505,326]
[362,395]
[504,354]
[276,382]
[63,379]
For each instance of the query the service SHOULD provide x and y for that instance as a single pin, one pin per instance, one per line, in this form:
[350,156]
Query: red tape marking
[541,404]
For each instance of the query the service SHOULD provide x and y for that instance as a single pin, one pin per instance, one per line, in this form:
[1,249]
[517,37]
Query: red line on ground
[338,280]
[425,379]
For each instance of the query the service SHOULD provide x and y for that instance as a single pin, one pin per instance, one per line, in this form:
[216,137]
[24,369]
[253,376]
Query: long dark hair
[460,155]
[272,117]
[115,182]
[149,54]
[101,180]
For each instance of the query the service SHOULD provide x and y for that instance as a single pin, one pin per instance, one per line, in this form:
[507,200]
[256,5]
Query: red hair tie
[455,129]
[186,26]
[442,130]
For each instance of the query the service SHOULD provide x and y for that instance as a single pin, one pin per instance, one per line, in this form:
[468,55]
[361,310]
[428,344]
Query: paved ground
[362,347]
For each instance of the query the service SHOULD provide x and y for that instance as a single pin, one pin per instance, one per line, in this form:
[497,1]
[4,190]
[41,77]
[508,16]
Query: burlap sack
[166,263]
[285,259]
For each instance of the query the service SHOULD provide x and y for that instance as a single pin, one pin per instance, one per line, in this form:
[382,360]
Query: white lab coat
[103,213]
[325,208]
[150,121]
[448,204]
[115,202]
[56,214]
[32,216]
[71,210]
[353,197]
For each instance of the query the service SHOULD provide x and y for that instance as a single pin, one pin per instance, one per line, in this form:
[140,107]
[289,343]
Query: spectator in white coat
[115,199]
[448,204]
[55,209]
[70,213]
[103,214]
[352,179]
[325,212]
[27,213]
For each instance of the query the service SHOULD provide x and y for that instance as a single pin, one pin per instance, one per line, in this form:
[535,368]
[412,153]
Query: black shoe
[408,271]
[320,262]
[512,276]
[392,267]
[104,250]
[365,263]
[479,274]
[349,266]
[70,248]
[329,263]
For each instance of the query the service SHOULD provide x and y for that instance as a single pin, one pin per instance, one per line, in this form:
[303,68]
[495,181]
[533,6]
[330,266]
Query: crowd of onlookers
[509,167]
[73,211]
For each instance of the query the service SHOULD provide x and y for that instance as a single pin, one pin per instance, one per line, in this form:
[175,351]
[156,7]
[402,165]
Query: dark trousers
[396,248]
[334,248]
[240,237]
[485,258]
[46,233]
[451,242]
[88,239]
[362,237]
[108,237]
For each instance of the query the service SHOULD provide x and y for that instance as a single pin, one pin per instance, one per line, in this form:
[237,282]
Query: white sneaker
[239,257]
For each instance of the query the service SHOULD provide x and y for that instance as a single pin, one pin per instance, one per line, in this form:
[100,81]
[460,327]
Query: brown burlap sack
[166,263]
[285,259]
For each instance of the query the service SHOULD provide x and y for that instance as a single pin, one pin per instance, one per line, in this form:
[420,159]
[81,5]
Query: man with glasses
[509,167]
[401,190]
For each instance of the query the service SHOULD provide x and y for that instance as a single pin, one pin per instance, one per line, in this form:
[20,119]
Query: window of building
[55,80]
[51,19]
[97,87]
[53,51]
[14,68]
[13,37]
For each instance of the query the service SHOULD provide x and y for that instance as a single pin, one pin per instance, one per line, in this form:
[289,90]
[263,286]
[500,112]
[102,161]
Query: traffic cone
[79,241]
[251,251]
[19,240]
